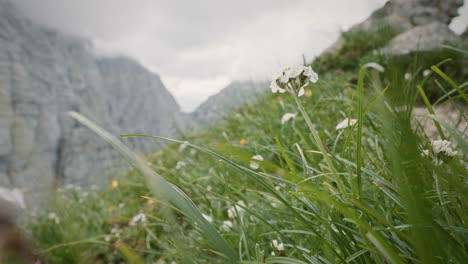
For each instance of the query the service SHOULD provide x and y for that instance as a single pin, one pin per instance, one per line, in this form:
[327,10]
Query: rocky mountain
[43,75]
[231,97]
[422,24]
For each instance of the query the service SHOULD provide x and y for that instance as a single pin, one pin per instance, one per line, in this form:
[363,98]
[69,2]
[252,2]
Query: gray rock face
[231,97]
[404,15]
[43,75]
[425,37]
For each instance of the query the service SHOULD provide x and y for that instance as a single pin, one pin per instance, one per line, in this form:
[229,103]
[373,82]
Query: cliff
[43,75]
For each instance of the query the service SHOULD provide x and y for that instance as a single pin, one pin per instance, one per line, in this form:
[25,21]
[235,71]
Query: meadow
[336,171]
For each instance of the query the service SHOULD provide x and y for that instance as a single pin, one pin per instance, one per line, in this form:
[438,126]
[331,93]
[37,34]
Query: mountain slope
[43,75]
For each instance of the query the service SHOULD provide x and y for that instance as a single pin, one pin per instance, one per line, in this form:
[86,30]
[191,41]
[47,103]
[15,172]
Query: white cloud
[197,47]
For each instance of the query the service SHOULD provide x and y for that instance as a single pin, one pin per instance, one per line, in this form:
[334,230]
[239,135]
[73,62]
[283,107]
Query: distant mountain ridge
[231,97]
[43,75]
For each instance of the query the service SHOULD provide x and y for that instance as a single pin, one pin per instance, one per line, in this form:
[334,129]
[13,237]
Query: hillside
[358,161]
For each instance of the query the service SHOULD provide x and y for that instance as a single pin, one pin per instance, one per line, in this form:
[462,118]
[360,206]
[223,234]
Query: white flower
[254,165]
[180,165]
[14,196]
[275,88]
[278,246]
[426,73]
[346,123]
[208,218]
[139,218]
[374,66]
[295,71]
[227,225]
[408,76]
[425,152]
[443,146]
[286,117]
[54,217]
[236,209]
[183,146]
[313,76]
[281,79]
[301,90]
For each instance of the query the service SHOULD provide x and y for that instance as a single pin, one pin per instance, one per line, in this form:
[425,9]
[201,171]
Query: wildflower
[346,123]
[227,225]
[183,146]
[242,141]
[255,165]
[139,218]
[440,151]
[426,73]
[293,79]
[115,183]
[208,218]
[180,165]
[286,117]
[278,246]
[313,76]
[374,66]
[308,93]
[14,196]
[233,211]
[54,217]
[407,76]
[209,188]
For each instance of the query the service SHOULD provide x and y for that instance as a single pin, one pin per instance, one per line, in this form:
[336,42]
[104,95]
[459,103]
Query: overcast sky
[199,46]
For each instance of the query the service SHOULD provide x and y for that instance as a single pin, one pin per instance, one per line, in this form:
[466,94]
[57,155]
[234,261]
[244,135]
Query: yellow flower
[308,93]
[115,183]
[111,209]
[242,141]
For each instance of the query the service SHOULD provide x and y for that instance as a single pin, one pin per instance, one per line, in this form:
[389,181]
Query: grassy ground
[371,196]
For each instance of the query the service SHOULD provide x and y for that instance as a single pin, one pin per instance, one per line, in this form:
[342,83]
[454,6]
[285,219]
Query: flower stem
[322,149]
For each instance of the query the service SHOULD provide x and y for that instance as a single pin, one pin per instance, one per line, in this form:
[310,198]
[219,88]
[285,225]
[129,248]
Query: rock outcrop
[418,21]
[43,75]
[424,37]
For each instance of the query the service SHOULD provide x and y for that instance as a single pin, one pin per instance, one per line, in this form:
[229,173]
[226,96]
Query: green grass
[364,194]
[393,206]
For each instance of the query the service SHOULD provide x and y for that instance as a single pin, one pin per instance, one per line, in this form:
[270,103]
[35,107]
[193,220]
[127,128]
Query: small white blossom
[286,117]
[313,76]
[227,225]
[296,75]
[139,218]
[374,66]
[180,165]
[346,123]
[183,146]
[443,146]
[255,165]
[54,217]
[275,87]
[277,246]
[426,73]
[408,76]
[236,209]
[208,218]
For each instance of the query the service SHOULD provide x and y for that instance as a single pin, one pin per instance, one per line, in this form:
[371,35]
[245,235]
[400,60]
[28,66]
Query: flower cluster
[278,247]
[440,151]
[236,209]
[255,165]
[139,218]
[293,79]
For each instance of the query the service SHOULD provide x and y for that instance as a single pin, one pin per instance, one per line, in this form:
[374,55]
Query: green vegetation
[380,191]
